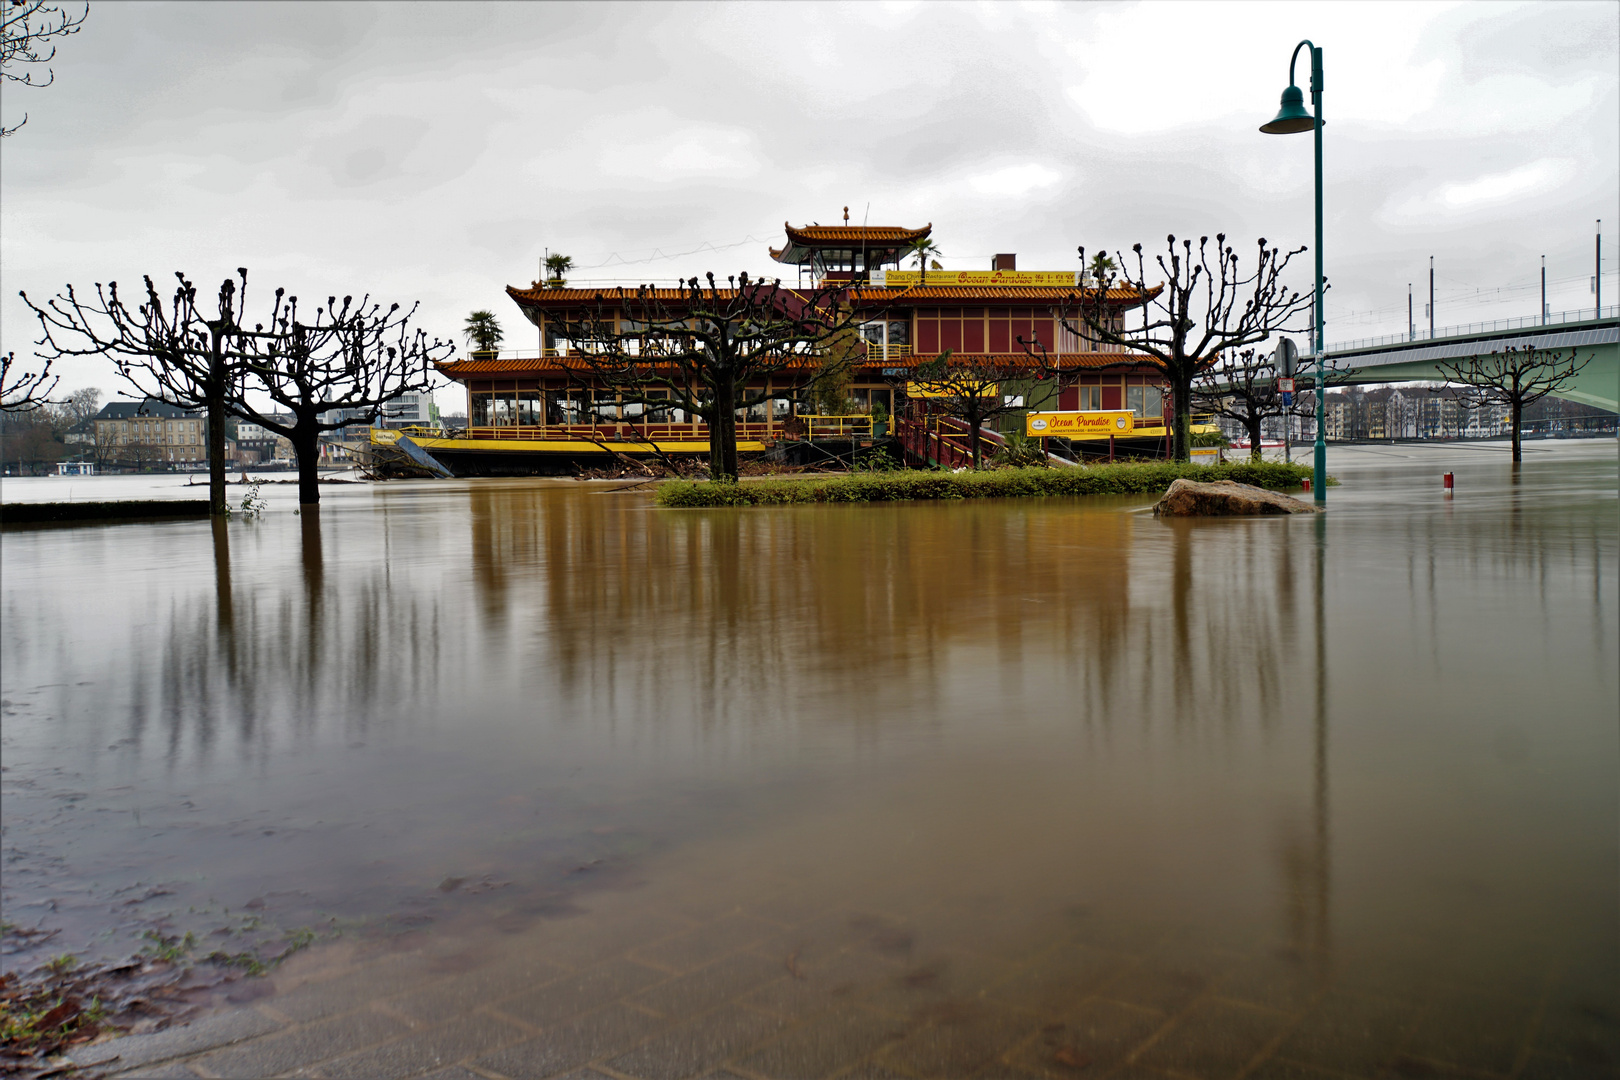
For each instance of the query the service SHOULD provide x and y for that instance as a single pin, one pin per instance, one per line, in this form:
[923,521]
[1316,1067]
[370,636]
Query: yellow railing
[858,425]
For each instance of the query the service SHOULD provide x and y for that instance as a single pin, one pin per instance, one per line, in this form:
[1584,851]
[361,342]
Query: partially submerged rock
[1226,498]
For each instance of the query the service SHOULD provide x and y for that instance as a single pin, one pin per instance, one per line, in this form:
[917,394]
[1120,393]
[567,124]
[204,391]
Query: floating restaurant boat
[547,410]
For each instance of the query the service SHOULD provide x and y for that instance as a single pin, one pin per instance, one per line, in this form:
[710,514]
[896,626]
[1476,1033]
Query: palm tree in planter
[927,255]
[483,333]
[556,267]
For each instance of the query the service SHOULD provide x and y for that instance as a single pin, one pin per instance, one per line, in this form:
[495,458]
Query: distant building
[150,434]
[258,445]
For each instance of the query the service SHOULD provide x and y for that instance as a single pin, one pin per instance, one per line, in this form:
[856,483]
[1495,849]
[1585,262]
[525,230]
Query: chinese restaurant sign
[899,279]
[1068,424]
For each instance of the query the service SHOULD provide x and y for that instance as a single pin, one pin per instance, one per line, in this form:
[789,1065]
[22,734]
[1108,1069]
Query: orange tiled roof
[831,235]
[989,296]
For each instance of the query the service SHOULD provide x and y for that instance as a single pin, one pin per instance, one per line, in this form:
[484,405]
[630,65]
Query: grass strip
[1126,478]
[123,510]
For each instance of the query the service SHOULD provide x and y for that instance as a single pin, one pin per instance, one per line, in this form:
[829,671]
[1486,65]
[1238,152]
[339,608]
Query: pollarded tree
[1512,379]
[972,388]
[28,29]
[341,368]
[1204,310]
[707,350]
[168,349]
[1242,387]
[24,391]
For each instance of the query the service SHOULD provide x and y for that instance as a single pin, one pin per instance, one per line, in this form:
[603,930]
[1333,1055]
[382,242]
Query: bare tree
[342,368]
[24,391]
[28,29]
[706,350]
[167,349]
[1242,387]
[972,388]
[1514,379]
[84,403]
[1203,311]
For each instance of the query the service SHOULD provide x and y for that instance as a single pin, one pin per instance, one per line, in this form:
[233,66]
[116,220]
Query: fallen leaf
[1070,1058]
[66,1011]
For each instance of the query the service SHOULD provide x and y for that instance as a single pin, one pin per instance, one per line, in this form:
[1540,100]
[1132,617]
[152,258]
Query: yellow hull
[576,446]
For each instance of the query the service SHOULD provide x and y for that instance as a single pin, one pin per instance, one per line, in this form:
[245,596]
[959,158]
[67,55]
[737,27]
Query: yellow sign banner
[1076,424]
[921,390]
[900,279]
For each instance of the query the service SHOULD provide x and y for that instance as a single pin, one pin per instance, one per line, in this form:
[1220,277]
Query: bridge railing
[1525,322]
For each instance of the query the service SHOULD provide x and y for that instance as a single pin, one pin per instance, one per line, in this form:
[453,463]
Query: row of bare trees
[326,366]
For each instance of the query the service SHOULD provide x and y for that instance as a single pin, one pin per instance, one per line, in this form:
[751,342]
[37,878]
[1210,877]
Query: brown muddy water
[1231,797]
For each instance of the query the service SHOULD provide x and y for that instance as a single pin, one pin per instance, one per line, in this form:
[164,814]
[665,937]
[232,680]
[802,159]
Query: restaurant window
[1145,401]
[865,397]
[1090,398]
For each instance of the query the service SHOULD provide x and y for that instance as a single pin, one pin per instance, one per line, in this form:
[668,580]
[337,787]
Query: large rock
[1223,498]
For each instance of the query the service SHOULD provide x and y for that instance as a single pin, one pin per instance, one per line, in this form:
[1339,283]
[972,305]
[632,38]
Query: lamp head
[1292,117]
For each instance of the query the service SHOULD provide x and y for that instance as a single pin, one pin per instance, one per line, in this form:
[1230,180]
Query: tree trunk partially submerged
[1227,498]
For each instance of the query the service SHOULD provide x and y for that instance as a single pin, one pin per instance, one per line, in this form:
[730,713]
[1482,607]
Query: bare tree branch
[704,349]
[1208,305]
[24,391]
[1242,387]
[351,360]
[27,28]
[1515,378]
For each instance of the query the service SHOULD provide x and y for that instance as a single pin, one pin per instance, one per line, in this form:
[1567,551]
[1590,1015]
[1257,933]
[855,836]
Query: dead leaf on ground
[1070,1058]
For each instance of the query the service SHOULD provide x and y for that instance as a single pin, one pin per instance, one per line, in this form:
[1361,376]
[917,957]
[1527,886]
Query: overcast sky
[433,152]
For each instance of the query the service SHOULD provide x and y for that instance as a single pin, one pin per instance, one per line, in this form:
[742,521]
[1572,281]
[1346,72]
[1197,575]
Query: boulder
[1224,498]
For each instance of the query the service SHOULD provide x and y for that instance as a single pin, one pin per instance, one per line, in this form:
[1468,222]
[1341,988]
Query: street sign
[1285,386]
[1286,357]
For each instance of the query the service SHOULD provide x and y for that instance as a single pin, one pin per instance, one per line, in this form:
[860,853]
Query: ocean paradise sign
[900,279]
[1070,425]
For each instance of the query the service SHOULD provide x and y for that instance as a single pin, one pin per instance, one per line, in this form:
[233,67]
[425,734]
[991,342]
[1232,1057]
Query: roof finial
[846,215]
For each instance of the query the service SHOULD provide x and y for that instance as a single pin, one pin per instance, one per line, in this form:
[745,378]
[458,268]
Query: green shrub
[1131,478]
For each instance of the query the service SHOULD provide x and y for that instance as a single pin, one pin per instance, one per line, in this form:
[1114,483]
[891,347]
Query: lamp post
[1292,118]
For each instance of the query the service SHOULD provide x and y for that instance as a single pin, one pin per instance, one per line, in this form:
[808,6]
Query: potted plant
[556,267]
[880,421]
[483,334]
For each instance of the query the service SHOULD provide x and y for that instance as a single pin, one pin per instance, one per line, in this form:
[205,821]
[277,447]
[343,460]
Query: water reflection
[1305,738]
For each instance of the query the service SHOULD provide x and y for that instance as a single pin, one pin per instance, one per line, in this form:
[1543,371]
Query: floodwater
[1339,790]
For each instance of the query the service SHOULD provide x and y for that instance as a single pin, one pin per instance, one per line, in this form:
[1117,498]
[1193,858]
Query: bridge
[1406,358]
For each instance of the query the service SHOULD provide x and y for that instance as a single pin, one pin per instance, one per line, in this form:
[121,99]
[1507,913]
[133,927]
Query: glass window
[873,332]
[529,408]
[605,405]
[899,332]
[480,410]
[1133,399]
[1152,401]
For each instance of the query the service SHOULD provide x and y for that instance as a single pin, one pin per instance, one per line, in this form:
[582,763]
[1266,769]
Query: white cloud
[668,156]
[1483,193]
[1015,180]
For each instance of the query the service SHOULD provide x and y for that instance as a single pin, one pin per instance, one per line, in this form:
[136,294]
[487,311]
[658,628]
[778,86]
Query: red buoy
[1448,482]
[1305,484]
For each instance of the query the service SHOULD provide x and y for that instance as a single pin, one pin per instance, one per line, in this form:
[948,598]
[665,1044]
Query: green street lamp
[1292,118]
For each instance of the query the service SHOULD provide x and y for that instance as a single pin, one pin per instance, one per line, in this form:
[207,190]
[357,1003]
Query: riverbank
[1125,478]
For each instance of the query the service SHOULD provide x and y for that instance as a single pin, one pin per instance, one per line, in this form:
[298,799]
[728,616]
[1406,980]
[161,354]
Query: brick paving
[792,990]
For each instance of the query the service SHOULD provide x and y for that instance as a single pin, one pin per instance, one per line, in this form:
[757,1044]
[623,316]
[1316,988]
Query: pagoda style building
[534,405]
